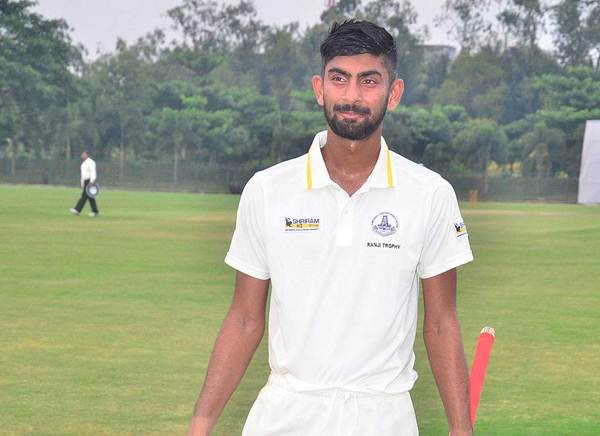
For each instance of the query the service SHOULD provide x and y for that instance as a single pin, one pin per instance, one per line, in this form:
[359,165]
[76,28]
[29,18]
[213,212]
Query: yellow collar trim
[390,175]
[389,180]
[309,182]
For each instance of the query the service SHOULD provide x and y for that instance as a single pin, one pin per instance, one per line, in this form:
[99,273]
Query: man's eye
[337,78]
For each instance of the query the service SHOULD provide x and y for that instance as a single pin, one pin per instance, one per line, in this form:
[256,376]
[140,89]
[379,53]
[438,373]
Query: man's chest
[378,228]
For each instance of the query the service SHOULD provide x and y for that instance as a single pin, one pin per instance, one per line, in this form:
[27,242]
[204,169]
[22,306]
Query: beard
[353,129]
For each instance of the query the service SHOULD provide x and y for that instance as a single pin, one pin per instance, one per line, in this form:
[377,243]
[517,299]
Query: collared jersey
[88,170]
[344,269]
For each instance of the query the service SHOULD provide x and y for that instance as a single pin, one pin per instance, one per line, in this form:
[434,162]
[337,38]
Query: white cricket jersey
[344,269]
[88,170]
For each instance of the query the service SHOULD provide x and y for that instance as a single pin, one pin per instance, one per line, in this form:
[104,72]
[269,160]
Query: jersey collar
[383,175]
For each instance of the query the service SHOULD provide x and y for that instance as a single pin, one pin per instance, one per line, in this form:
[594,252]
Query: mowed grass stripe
[107,324]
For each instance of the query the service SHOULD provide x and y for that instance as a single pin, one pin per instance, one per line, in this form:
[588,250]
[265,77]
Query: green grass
[106,324]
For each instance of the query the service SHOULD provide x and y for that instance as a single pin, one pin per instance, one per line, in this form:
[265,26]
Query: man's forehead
[357,63]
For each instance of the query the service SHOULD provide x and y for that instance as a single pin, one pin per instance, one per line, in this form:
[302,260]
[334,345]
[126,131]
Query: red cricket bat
[480,362]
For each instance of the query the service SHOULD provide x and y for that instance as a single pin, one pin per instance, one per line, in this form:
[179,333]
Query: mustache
[361,110]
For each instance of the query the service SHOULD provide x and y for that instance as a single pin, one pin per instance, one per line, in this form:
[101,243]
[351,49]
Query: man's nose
[352,92]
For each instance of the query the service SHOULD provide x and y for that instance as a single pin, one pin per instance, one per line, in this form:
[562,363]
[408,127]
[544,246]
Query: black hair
[354,37]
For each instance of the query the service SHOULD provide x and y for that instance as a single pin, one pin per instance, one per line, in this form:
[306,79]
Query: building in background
[433,52]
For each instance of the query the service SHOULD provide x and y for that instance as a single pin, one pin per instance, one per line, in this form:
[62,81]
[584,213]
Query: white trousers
[279,411]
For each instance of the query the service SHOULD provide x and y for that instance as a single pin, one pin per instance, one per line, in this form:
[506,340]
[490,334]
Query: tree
[543,149]
[309,45]
[422,135]
[572,45]
[400,18]
[221,124]
[35,78]
[199,23]
[475,81]
[126,97]
[467,21]
[525,20]
[341,10]
[246,32]
[281,69]
[177,130]
[520,68]
[577,32]
[593,33]
[526,17]
[478,144]
[578,88]
[208,26]
[568,101]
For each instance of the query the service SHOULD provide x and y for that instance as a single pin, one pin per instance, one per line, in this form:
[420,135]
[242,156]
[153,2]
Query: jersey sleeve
[247,252]
[446,243]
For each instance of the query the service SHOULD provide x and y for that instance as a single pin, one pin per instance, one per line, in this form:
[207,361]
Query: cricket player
[88,175]
[343,234]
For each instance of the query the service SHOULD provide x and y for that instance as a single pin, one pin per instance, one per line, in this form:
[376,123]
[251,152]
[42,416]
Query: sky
[97,23]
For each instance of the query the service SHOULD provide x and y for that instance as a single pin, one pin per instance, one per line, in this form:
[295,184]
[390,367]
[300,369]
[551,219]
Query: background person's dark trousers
[84,198]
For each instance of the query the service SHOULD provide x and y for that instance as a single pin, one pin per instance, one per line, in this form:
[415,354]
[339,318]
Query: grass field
[106,324]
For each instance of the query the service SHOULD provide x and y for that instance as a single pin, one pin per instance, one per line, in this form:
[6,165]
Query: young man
[88,175]
[343,233]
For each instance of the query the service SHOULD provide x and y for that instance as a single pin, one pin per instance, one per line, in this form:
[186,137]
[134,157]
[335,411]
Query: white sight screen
[589,176]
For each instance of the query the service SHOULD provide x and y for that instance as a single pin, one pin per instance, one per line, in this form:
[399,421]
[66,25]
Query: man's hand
[199,427]
[461,433]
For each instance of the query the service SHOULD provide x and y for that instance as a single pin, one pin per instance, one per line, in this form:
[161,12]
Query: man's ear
[317,84]
[396,91]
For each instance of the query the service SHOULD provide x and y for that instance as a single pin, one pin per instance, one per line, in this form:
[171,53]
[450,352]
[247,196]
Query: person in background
[88,175]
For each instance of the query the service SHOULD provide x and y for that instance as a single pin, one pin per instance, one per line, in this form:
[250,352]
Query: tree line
[231,89]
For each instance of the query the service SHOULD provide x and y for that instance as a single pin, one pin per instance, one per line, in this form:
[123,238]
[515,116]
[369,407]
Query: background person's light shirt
[88,171]
[344,269]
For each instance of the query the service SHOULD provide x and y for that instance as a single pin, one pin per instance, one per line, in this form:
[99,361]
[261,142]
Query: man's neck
[349,162]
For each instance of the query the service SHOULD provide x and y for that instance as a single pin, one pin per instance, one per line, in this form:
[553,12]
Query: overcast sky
[97,23]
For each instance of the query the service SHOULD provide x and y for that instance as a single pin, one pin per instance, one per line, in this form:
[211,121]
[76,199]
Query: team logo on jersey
[460,228]
[301,224]
[384,224]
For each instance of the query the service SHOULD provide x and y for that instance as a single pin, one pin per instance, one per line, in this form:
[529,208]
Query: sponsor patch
[384,224]
[460,228]
[301,224]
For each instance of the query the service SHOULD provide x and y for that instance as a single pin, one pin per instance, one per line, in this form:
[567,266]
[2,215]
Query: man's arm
[441,331]
[236,343]
[93,172]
